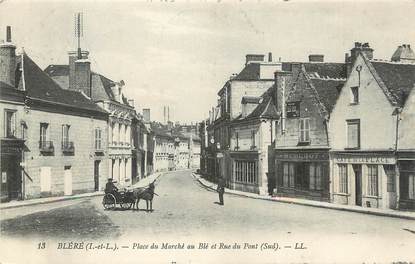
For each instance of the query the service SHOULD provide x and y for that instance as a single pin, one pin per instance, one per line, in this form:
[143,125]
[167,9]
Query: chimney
[354,52]
[404,53]
[146,115]
[316,58]
[73,56]
[131,102]
[269,56]
[83,76]
[280,78]
[8,59]
[117,90]
[254,58]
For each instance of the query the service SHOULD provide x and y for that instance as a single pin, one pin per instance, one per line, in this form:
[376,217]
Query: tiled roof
[101,85]
[398,78]
[326,69]
[328,91]
[265,109]
[39,85]
[249,73]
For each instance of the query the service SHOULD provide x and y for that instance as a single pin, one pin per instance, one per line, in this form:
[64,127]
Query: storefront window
[315,176]
[343,178]
[288,174]
[372,176]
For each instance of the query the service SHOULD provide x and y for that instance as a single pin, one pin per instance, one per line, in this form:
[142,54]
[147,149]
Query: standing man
[221,190]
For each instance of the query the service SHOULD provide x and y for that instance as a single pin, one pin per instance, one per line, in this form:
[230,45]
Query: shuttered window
[343,178]
[372,176]
[304,130]
[353,133]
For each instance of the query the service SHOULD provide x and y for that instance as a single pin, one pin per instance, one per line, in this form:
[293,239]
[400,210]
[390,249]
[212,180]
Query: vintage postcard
[207,131]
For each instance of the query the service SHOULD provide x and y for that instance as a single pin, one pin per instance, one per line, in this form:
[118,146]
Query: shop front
[245,171]
[406,163]
[11,170]
[302,173]
[366,179]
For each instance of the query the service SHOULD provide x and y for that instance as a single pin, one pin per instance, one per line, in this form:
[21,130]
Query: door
[68,180]
[96,174]
[357,169]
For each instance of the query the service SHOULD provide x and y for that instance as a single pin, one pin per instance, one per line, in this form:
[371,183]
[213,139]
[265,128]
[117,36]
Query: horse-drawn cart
[124,198]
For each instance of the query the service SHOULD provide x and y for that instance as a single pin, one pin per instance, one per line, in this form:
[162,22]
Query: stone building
[306,94]
[251,134]
[55,138]
[108,95]
[256,77]
[365,132]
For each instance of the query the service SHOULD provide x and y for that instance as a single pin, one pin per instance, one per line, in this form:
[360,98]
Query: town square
[207,132]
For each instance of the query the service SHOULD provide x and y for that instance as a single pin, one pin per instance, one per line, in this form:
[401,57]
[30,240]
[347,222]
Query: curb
[57,199]
[385,214]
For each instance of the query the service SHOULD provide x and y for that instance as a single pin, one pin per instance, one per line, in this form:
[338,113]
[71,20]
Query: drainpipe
[397,173]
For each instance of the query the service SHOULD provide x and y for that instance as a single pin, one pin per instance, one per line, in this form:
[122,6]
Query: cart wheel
[109,201]
[126,205]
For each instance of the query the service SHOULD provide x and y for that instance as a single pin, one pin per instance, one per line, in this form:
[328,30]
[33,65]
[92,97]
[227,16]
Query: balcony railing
[46,146]
[68,147]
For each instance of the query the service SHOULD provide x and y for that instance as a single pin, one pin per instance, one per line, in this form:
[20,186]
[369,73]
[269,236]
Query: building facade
[108,95]
[306,95]
[364,131]
[61,134]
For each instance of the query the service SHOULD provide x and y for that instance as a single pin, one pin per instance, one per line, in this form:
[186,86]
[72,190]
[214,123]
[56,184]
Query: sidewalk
[357,209]
[13,204]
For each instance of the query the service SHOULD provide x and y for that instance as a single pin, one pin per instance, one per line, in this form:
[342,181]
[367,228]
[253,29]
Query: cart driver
[111,188]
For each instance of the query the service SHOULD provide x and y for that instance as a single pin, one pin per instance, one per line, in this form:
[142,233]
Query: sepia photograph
[207,131]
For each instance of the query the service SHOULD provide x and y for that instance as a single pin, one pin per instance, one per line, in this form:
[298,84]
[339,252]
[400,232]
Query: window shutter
[307,130]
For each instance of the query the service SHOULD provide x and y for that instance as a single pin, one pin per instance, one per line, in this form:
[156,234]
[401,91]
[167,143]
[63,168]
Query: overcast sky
[180,54]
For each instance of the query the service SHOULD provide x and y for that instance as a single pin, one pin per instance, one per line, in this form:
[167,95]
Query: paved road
[185,210]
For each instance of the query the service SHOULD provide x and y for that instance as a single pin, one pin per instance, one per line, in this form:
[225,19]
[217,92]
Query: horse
[145,194]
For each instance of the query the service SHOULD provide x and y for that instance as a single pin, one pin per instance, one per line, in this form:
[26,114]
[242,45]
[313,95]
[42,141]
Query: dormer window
[354,93]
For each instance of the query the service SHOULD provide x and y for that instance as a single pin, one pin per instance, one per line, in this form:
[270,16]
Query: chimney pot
[269,56]
[8,34]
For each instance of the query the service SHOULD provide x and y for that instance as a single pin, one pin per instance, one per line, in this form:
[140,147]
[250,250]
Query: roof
[265,109]
[250,72]
[328,91]
[398,78]
[39,85]
[101,85]
[326,69]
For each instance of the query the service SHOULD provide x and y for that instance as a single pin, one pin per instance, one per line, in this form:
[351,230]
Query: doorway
[357,169]
[96,175]
[68,180]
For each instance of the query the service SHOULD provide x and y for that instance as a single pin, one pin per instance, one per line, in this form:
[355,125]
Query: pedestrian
[221,190]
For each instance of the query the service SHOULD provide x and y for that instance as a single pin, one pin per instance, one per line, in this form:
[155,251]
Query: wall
[81,162]
[308,109]
[377,124]
[245,88]
[244,137]
[406,139]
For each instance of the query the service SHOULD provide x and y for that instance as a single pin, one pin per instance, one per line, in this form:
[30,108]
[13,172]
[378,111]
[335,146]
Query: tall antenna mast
[79,30]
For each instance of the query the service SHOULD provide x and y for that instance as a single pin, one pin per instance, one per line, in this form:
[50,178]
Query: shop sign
[219,155]
[364,159]
[302,156]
